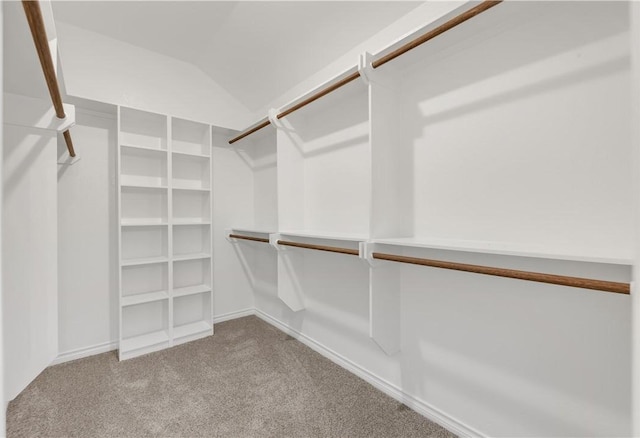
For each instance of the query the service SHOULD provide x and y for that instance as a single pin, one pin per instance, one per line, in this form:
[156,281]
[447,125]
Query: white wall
[635,336]
[29,234]
[410,23]
[3,410]
[104,69]
[87,237]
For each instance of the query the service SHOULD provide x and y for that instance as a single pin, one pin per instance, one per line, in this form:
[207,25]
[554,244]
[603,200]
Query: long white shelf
[191,329]
[132,300]
[252,231]
[325,235]
[182,257]
[191,290]
[145,261]
[501,248]
[142,341]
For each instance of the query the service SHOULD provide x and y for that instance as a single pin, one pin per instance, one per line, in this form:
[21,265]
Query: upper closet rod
[36,24]
[583,283]
[459,19]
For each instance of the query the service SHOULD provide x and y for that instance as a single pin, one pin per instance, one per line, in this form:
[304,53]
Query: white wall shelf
[132,300]
[191,290]
[144,261]
[164,170]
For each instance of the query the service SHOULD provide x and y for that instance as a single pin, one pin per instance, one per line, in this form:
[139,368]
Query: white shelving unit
[164,188]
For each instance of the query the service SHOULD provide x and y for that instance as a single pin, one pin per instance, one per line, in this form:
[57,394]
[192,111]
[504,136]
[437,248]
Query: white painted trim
[85,352]
[233,315]
[430,412]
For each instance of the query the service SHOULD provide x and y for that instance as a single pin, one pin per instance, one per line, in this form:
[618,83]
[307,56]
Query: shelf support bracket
[384,301]
[289,265]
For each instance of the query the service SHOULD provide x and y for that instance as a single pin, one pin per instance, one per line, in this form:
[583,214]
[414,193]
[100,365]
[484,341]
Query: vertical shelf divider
[170,222]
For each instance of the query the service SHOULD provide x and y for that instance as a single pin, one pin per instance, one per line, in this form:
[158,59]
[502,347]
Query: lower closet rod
[337,249]
[583,283]
[255,239]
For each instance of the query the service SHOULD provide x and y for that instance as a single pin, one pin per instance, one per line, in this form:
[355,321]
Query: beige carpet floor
[248,380]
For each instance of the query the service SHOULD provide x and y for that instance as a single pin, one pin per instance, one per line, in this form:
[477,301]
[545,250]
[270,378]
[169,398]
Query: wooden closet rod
[337,249]
[36,24]
[250,131]
[583,283]
[342,82]
[455,21]
[255,239]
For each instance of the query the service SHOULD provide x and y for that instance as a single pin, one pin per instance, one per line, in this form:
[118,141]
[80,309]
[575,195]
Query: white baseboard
[453,425]
[110,346]
[85,352]
[233,315]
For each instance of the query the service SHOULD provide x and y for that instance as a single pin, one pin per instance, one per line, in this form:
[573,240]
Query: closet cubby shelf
[191,222]
[193,328]
[145,186]
[132,300]
[191,189]
[192,154]
[191,290]
[142,223]
[144,261]
[183,257]
[143,341]
[143,148]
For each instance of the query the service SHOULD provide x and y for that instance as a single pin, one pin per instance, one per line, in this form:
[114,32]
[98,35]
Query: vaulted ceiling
[256,50]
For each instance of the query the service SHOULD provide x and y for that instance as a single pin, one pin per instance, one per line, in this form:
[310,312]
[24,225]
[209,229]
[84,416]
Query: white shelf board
[143,223]
[142,341]
[191,222]
[191,290]
[191,329]
[500,248]
[191,154]
[144,148]
[182,257]
[144,261]
[328,236]
[132,300]
[192,189]
[247,230]
[144,186]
